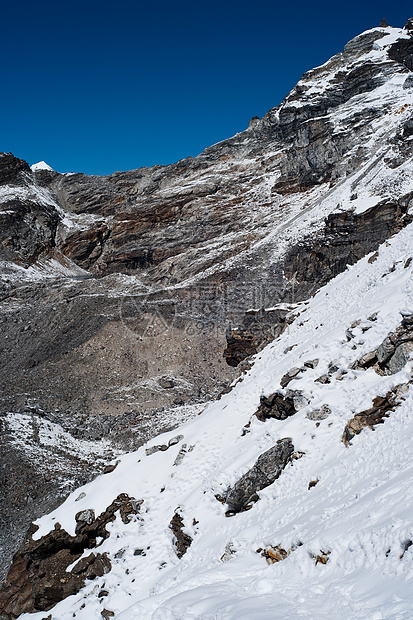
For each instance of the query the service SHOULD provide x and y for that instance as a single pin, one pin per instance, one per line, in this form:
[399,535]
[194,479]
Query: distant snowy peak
[41,165]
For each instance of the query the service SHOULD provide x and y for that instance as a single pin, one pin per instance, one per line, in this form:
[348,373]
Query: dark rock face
[27,231]
[11,169]
[347,237]
[257,327]
[27,225]
[38,578]
[402,52]
[240,345]
[85,247]
[275,406]
[265,471]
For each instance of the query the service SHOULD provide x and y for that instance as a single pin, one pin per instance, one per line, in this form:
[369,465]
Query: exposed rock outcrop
[27,230]
[382,406]
[39,576]
[265,471]
[12,169]
[402,51]
[182,540]
[275,406]
[257,328]
[346,238]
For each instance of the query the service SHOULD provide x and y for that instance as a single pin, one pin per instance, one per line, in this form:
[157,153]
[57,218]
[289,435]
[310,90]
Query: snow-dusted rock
[268,468]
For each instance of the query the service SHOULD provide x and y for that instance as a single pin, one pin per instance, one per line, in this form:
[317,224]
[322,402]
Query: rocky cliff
[128,300]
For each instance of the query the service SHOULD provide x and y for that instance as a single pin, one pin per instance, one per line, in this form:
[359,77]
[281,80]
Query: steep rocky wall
[345,239]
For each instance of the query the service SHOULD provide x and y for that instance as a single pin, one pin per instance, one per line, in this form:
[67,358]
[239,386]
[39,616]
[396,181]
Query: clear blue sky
[97,86]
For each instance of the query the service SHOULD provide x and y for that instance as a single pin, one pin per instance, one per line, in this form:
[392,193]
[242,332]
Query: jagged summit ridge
[308,122]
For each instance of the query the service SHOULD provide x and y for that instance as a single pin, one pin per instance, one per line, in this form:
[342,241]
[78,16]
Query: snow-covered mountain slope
[348,534]
[261,219]
[120,294]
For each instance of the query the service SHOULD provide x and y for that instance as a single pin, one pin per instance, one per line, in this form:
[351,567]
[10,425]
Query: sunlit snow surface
[41,165]
[361,510]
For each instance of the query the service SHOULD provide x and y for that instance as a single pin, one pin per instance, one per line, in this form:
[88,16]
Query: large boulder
[275,406]
[264,472]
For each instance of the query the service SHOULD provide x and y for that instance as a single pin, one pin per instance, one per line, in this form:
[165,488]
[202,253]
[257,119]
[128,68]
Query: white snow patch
[41,165]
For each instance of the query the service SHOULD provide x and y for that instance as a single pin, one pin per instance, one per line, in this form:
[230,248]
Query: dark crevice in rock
[257,327]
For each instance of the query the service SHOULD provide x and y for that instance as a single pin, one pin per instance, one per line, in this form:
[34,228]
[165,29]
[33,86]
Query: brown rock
[38,578]
[382,405]
[289,376]
[182,541]
[323,379]
[322,557]
[110,468]
[275,554]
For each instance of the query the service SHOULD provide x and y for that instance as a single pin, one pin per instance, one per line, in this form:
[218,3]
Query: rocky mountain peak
[11,169]
[409,25]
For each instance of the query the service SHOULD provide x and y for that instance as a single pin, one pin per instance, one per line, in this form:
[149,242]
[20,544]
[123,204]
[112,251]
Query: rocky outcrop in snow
[263,473]
[48,570]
